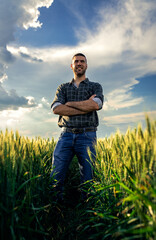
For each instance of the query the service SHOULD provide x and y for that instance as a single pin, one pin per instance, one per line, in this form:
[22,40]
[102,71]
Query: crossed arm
[76,108]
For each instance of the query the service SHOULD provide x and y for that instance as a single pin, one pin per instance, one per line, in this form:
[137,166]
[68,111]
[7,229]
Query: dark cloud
[32,59]
[5,55]
[5,59]
[10,100]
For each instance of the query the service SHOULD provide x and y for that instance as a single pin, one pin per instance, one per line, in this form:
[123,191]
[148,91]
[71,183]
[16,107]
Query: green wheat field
[121,200]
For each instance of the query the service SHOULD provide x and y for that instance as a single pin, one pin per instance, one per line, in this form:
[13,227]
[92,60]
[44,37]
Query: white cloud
[52,120]
[31,101]
[13,14]
[128,118]
[125,34]
[31,121]
[31,12]
[12,116]
[3,77]
[122,97]
[11,122]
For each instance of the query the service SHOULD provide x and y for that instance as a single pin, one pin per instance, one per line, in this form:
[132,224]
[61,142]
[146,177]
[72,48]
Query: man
[76,104]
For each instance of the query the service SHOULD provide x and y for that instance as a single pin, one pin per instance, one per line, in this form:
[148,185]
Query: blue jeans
[68,145]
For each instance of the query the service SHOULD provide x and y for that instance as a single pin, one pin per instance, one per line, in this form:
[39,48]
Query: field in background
[121,202]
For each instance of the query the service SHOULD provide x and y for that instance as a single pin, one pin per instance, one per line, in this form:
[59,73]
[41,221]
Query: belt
[79,130]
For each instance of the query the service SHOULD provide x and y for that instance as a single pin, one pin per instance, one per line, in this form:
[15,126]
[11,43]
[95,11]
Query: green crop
[121,200]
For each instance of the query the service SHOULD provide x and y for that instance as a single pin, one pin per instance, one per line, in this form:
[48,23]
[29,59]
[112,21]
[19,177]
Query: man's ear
[71,66]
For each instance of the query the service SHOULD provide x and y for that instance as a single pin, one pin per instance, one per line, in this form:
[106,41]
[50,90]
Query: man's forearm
[86,106]
[64,110]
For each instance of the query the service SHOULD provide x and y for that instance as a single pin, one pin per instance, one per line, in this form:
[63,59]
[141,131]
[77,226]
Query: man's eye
[76,61]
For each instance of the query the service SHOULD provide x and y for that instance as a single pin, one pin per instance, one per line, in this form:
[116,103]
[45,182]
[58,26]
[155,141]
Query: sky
[37,41]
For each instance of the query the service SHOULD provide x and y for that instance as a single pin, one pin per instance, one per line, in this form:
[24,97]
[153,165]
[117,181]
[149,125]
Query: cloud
[24,53]
[16,13]
[6,55]
[42,121]
[130,26]
[122,97]
[128,118]
[13,14]
[10,100]
[5,59]
[123,34]
[29,58]
[13,116]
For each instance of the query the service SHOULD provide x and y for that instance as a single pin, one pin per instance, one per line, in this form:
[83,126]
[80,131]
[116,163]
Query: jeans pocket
[90,135]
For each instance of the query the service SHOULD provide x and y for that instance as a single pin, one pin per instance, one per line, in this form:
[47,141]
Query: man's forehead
[79,58]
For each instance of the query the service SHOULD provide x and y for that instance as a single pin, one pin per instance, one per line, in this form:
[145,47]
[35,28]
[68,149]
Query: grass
[122,197]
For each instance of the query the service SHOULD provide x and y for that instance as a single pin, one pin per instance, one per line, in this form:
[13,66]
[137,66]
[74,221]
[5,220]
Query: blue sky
[37,41]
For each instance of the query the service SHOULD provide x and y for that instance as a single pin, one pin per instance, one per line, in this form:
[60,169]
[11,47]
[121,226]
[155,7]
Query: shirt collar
[84,81]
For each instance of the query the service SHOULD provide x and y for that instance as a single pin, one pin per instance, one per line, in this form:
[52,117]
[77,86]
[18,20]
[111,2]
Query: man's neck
[77,79]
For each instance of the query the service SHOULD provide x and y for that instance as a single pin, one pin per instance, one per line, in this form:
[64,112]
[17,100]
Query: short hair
[79,54]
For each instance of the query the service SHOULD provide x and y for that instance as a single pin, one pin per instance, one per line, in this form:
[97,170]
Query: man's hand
[93,96]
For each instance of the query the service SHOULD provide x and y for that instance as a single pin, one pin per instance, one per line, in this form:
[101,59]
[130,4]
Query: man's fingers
[92,96]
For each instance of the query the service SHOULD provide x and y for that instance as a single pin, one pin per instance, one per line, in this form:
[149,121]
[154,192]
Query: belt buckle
[76,130]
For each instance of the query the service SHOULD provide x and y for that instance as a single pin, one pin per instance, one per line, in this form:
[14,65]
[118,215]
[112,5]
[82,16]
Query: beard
[80,73]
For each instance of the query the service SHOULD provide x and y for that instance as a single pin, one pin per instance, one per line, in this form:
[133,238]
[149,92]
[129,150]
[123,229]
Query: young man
[76,103]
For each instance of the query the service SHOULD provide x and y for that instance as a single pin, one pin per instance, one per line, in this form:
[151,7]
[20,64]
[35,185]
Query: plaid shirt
[68,92]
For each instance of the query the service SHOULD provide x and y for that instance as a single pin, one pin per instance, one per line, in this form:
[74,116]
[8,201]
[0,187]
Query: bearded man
[76,103]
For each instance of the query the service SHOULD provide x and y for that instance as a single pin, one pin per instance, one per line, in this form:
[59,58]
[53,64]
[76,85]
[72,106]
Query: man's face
[79,65]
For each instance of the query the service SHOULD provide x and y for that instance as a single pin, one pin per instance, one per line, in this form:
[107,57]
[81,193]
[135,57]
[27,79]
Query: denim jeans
[68,145]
